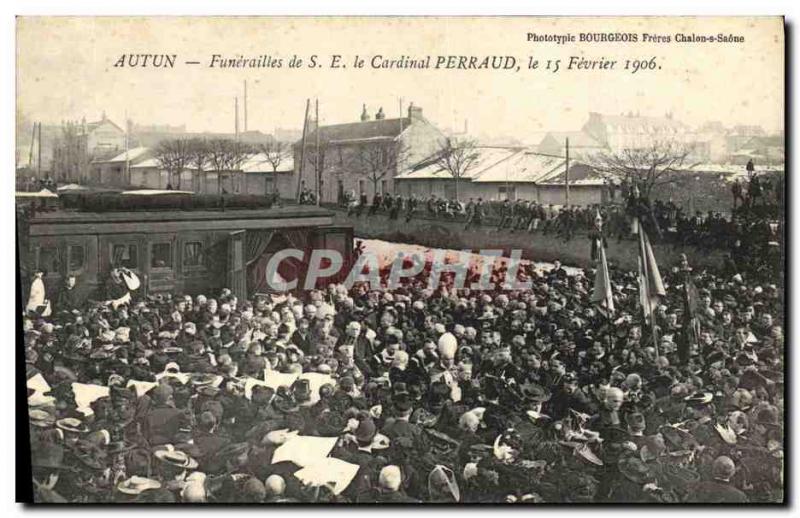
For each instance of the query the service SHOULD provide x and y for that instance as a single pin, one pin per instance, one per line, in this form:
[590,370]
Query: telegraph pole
[316,155]
[566,177]
[302,150]
[245,105]
[39,161]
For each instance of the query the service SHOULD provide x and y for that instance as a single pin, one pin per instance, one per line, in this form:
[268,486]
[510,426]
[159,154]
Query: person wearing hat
[568,396]
[163,423]
[719,489]
[637,484]
[399,424]
[358,450]
[207,438]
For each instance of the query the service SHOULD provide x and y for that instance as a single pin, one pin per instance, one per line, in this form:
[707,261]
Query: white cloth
[328,471]
[304,450]
[141,387]
[86,394]
[37,297]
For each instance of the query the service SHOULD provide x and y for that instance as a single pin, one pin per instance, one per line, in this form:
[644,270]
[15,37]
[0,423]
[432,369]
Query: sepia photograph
[401,260]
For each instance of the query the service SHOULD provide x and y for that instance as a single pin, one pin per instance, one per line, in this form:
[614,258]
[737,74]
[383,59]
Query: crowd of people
[668,221]
[442,395]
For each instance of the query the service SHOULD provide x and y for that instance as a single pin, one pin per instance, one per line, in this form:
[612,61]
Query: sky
[65,71]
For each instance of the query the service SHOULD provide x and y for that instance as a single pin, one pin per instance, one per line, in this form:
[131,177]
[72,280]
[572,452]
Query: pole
[30,152]
[245,105]
[127,149]
[566,177]
[235,141]
[302,149]
[400,100]
[646,274]
[316,155]
[39,161]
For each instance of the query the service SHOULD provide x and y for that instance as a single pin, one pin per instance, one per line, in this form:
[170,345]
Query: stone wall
[537,247]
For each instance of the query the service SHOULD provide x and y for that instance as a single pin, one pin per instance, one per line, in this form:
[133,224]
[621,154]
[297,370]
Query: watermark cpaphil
[476,271]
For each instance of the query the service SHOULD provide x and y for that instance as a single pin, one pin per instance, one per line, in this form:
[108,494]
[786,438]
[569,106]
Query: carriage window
[126,256]
[77,258]
[161,255]
[192,254]
[49,259]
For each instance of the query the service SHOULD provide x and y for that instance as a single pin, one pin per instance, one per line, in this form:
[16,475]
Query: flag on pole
[691,325]
[602,294]
[651,287]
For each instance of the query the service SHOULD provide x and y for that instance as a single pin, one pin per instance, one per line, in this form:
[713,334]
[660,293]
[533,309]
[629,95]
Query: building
[257,175]
[67,149]
[580,144]
[619,132]
[103,137]
[364,156]
[501,173]
[116,171]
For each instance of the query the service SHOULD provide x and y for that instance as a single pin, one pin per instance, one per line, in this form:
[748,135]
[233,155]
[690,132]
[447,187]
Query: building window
[384,187]
[507,193]
[361,186]
[161,255]
[125,256]
[193,254]
[49,260]
[77,258]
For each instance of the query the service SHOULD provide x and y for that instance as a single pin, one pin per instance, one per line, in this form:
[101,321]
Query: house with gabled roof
[501,173]
[363,156]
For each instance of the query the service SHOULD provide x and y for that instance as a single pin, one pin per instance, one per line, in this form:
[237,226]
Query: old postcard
[511,260]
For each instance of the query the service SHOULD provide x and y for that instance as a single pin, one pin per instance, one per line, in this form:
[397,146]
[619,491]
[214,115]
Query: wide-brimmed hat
[584,452]
[72,424]
[203,378]
[177,458]
[137,485]
[635,470]
[40,418]
[534,392]
[677,438]
[699,398]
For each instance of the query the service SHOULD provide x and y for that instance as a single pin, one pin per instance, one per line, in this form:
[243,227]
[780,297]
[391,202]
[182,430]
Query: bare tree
[174,156]
[226,156]
[457,157]
[70,153]
[198,159]
[377,160]
[645,167]
[276,153]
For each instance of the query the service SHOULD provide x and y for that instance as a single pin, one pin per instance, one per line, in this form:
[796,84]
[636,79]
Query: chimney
[364,114]
[380,115]
[414,112]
